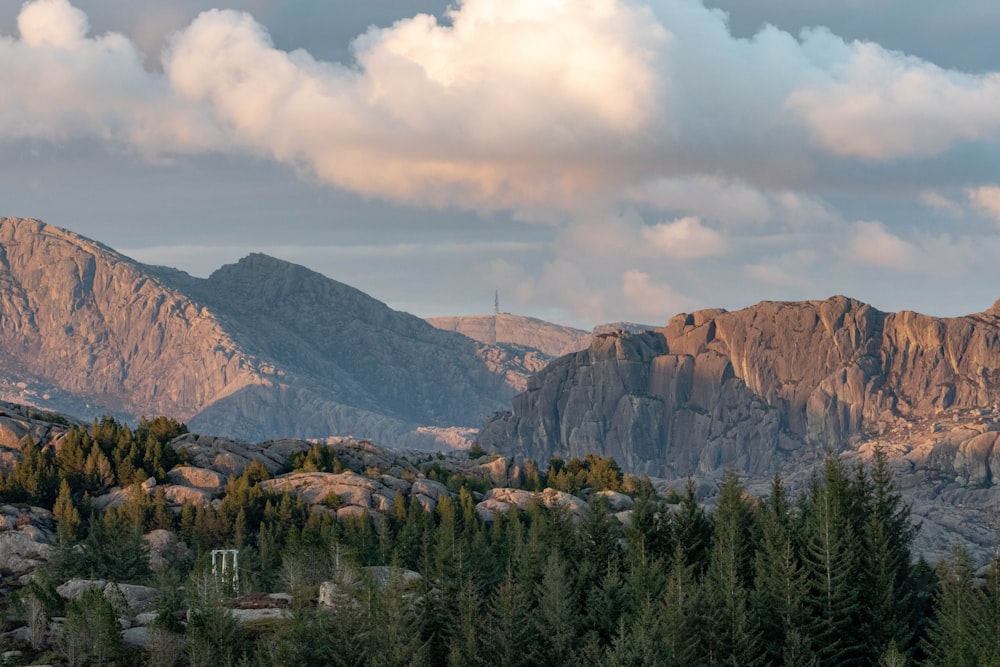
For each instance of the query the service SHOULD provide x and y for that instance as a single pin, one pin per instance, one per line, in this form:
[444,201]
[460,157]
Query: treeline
[824,577]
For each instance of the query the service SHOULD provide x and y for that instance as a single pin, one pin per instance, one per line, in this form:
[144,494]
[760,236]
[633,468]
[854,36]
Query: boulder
[26,540]
[178,495]
[502,499]
[140,599]
[354,489]
[204,479]
[617,502]
[165,549]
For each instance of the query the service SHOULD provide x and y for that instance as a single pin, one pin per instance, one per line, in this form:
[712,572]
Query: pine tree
[509,631]
[779,596]
[66,514]
[952,635]
[557,613]
[886,568]
[731,633]
[680,636]
[831,566]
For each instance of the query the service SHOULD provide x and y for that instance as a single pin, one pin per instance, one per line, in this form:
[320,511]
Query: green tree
[730,628]
[830,559]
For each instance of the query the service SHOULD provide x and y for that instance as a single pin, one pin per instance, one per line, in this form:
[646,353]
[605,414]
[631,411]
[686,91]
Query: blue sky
[593,160]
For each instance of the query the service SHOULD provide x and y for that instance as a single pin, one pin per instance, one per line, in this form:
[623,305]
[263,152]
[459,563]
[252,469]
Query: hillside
[262,348]
[552,339]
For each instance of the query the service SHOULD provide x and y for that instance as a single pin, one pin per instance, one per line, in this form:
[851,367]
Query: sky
[590,160]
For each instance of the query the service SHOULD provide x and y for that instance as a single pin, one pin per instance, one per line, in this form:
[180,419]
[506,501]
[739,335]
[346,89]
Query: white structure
[226,569]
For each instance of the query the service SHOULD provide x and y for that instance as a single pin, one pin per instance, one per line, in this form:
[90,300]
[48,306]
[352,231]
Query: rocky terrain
[773,388]
[262,348]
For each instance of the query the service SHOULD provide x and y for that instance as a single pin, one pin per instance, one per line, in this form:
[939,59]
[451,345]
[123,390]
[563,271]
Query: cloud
[685,238]
[651,300]
[873,245]
[548,105]
[772,274]
[707,197]
[987,200]
[493,109]
[877,104]
[939,202]
[60,84]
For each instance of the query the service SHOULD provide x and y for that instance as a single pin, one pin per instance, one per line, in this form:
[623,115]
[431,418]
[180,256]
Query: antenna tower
[496,302]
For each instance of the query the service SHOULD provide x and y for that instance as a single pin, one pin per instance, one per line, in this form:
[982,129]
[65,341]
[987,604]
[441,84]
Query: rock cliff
[753,389]
[261,349]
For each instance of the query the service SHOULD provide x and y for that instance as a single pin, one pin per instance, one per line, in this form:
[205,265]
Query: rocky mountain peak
[754,388]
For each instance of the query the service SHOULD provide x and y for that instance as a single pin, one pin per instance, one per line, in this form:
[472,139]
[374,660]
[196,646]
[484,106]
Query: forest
[821,577]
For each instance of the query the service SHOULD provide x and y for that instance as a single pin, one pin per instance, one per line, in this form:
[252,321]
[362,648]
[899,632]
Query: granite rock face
[754,389]
[261,349]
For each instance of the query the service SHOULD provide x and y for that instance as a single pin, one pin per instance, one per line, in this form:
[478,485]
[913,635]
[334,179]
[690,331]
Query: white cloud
[685,238]
[651,300]
[939,202]
[877,104]
[987,199]
[872,244]
[59,84]
[547,105]
[772,274]
[706,197]
[52,23]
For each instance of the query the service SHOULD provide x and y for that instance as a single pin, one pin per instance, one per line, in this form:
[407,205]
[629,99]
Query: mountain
[262,348]
[553,340]
[752,388]
[774,388]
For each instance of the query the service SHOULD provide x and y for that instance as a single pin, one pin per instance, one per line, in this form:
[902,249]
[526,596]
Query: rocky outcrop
[500,500]
[140,599]
[261,349]
[27,540]
[755,389]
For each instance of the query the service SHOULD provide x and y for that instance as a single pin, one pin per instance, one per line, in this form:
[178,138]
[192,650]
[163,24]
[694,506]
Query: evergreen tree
[731,635]
[66,514]
[509,634]
[779,596]
[954,634]
[557,613]
[831,554]
[887,574]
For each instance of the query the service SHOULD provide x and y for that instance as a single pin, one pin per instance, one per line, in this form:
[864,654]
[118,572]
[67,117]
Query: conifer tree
[509,636]
[954,637]
[886,570]
[830,562]
[731,634]
[66,514]
[779,596]
[557,613]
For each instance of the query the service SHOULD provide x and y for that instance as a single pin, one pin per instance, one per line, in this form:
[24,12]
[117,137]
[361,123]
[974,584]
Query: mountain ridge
[750,388]
[262,348]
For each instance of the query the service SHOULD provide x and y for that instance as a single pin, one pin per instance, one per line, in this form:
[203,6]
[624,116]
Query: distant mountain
[262,348]
[553,340]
